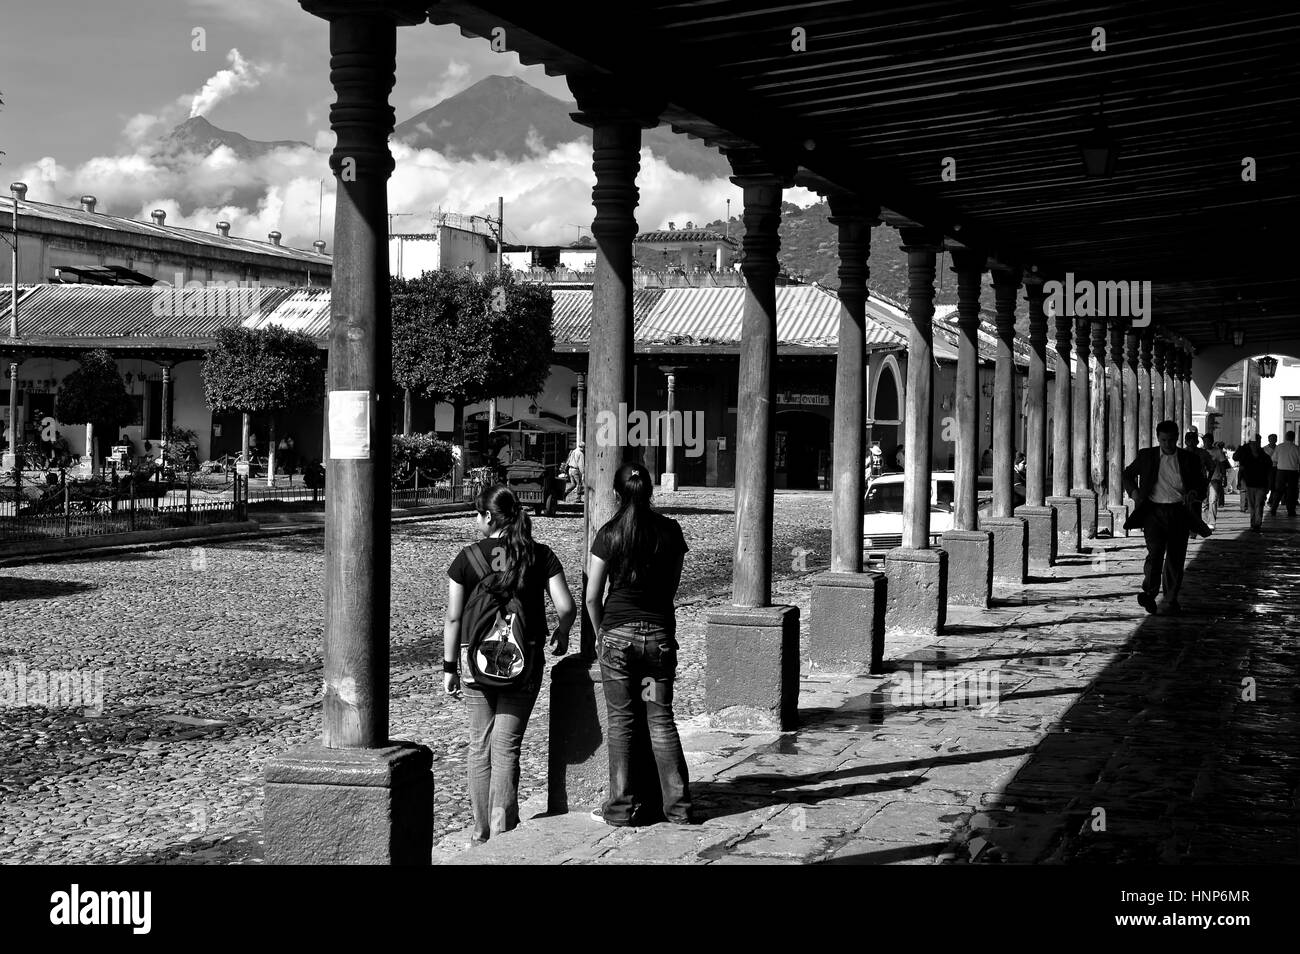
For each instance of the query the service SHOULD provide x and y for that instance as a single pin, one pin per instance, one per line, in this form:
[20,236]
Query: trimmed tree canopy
[267,369]
[95,394]
[462,339]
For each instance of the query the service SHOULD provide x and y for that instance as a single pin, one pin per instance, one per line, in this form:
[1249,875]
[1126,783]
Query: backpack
[493,648]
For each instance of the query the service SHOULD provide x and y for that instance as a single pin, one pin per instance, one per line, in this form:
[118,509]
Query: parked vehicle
[882,508]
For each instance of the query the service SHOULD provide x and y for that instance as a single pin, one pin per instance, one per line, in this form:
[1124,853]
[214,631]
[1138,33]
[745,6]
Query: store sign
[787,397]
[1292,406]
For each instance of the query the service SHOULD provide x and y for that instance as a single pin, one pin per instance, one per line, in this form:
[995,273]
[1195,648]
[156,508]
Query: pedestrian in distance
[1167,484]
[1192,441]
[1254,475]
[1286,463]
[1271,450]
[527,571]
[640,553]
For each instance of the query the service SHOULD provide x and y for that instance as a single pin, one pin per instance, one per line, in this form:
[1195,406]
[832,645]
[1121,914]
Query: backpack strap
[478,561]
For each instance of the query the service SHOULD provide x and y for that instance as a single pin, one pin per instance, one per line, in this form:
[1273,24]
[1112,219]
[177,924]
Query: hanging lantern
[1238,337]
[1267,366]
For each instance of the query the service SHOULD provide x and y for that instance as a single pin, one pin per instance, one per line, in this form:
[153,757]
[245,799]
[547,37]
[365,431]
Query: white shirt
[1169,482]
[1287,457]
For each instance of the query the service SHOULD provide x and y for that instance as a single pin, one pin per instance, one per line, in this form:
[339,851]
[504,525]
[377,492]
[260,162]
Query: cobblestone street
[211,661]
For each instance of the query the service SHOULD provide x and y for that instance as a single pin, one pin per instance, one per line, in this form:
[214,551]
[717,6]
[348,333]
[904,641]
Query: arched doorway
[803,447]
[886,411]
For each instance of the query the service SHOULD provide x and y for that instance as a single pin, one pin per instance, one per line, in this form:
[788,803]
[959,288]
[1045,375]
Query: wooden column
[1170,389]
[1062,431]
[1146,420]
[921,247]
[581,417]
[387,814]
[1115,433]
[1099,430]
[1159,348]
[669,479]
[13,411]
[1132,413]
[1188,417]
[969,267]
[1036,430]
[406,411]
[853,220]
[1080,444]
[1006,284]
[166,400]
[755,437]
[616,159]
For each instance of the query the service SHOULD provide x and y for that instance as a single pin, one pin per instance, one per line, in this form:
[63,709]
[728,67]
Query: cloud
[454,79]
[223,84]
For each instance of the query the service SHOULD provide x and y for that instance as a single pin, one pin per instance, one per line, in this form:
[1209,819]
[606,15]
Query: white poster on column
[349,416]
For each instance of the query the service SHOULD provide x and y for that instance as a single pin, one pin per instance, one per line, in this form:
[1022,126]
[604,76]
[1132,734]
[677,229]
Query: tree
[461,339]
[267,370]
[95,394]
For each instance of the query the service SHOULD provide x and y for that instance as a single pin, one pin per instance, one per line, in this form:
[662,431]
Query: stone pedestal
[1118,514]
[1010,548]
[1087,512]
[970,567]
[846,633]
[916,591]
[1104,522]
[1042,535]
[752,675]
[667,483]
[350,806]
[1068,537]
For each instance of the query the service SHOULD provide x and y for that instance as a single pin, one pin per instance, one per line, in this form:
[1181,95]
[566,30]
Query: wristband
[451,667]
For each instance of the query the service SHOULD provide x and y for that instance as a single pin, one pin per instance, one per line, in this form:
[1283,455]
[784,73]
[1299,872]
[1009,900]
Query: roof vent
[19,189]
[319,246]
[224,229]
[159,216]
[88,203]
[274,237]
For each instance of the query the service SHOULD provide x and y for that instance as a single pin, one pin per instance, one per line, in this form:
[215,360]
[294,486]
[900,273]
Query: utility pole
[16,190]
[501,228]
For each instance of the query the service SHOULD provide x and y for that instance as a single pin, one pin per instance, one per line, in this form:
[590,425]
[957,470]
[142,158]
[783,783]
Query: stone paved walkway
[1114,736]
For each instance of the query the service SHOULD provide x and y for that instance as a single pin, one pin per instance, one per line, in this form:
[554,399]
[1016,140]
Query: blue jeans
[638,662]
[496,732]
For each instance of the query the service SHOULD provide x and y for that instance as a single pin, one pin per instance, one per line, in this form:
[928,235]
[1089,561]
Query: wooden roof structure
[1189,93]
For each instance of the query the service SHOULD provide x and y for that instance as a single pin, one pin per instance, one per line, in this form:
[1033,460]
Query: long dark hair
[634,537]
[502,507]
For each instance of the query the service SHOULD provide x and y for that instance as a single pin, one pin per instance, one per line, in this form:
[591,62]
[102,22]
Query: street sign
[241,468]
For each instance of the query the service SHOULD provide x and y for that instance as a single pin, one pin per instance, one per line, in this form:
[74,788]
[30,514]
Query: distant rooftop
[28,209]
[684,236]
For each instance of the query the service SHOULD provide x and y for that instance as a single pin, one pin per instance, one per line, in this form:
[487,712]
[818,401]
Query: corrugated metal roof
[685,236]
[110,311]
[115,223]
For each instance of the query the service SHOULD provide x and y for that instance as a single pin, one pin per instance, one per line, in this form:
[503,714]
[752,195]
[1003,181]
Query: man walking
[1192,441]
[1271,450]
[1166,483]
[1253,477]
[1286,459]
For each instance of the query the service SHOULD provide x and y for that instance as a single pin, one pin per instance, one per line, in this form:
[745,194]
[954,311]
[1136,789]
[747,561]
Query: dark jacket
[1255,468]
[1140,479]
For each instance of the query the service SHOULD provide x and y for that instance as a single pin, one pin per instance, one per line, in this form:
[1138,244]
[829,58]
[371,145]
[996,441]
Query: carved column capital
[969,266]
[854,219]
[1006,286]
[1145,346]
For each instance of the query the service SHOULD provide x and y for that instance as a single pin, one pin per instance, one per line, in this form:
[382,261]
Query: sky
[90,88]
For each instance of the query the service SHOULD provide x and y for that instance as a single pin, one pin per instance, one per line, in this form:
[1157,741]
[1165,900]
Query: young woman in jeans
[640,553]
[497,718]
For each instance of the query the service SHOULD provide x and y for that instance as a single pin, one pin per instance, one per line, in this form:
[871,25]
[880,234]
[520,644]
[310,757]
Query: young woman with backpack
[640,553]
[493,648]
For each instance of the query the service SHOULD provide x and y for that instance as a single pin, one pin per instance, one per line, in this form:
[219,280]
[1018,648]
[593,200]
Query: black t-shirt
[648,599]
[533,596]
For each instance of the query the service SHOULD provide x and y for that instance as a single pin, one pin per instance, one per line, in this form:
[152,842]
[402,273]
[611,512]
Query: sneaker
[1147,602]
